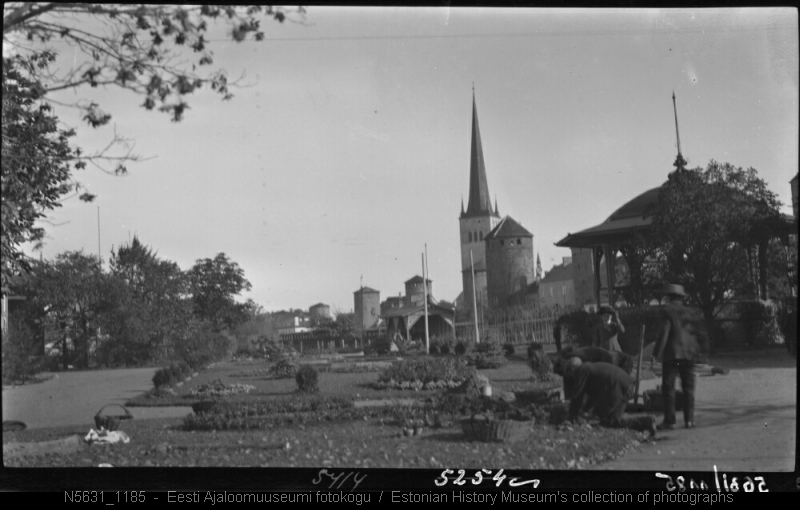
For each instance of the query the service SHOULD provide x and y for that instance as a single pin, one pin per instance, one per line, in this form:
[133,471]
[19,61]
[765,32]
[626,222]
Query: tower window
[502,242]
[518,241]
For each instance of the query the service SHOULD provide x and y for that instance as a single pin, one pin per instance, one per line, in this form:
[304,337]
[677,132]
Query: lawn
[374,439]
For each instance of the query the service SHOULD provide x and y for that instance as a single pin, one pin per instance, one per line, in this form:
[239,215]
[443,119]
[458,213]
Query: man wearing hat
[679,345]
[604,390]
[610,328]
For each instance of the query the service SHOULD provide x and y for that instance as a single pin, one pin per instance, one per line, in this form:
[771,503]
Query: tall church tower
[478,220]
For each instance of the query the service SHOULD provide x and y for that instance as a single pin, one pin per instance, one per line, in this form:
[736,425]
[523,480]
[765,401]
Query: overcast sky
[348,148]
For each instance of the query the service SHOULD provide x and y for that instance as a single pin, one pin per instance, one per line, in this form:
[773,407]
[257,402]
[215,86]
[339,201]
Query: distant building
[496,253]
[319,311]
[794,196]
[571,283]
[292,321]
[476,222]
[404,315]
[367,308]
[558,285]
[509,261]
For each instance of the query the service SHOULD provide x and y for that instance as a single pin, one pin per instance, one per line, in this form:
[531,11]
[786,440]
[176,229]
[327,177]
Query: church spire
[496,209]
[538,267]
[462,205]
[479,199]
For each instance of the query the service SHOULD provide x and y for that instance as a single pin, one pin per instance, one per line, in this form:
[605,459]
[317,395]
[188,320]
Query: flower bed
[416,385]
[219,389]
[228,421]
[286,405]
[425,370]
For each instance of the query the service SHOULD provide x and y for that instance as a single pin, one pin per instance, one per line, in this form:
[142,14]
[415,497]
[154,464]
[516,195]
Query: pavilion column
[597,254]
[611,256]
[763,285]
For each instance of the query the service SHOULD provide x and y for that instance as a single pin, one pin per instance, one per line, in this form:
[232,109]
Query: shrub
[379,346]
[633,318]
[171,375]
[19,347]
[460,348]
[444,349]
[307,379]
[576,327]
[285,368]
[508,349]
[487,355]
[760,320]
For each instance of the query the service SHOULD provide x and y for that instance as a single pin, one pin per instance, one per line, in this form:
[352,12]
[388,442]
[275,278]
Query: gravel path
[73,398]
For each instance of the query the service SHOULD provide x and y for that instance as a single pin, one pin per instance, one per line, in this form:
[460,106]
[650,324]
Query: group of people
[598,379]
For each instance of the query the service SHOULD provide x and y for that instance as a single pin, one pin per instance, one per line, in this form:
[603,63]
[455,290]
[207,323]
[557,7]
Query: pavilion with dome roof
[615,234]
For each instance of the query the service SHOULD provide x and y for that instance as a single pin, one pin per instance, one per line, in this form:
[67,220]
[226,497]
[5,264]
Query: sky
[345,151]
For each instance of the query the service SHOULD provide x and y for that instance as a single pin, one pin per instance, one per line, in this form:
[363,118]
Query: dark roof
[508,227]
[618,226]
[416,279]
[366,290]
[433,308]
[559,273]
[480,204]
[317,305]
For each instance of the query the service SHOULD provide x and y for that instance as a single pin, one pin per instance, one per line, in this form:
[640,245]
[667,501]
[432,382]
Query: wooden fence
[316,340]
[515,332]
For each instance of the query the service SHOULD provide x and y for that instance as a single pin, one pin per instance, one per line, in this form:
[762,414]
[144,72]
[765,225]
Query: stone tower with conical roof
[477,221]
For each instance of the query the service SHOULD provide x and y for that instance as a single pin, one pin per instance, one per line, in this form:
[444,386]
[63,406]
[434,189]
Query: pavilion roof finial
[680,162]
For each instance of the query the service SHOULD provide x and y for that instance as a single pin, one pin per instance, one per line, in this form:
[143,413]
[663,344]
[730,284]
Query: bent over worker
[603,389]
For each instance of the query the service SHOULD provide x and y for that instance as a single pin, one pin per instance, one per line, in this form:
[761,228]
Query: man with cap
[604,390]
[679,344]
[610,328]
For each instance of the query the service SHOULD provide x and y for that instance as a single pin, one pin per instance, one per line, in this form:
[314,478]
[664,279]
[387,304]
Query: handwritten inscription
[746,484]
[479,477]
[324,476]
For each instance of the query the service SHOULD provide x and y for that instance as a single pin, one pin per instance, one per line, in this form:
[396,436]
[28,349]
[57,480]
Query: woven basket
[111,422]
[480,427]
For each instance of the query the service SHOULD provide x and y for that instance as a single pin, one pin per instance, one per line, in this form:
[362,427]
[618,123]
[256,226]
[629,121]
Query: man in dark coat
[597,355]
[680,343]
[603,389]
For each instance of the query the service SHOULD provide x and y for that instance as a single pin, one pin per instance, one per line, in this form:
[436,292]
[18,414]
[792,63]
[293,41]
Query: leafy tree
[150,308]
[145,49]
[214,283]
[71,290]
[343,326]
[35,169]
[703,223]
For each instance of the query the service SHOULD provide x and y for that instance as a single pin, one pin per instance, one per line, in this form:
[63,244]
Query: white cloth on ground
[104,436]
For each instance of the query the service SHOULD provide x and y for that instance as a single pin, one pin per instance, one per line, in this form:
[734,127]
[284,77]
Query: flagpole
[425,296]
